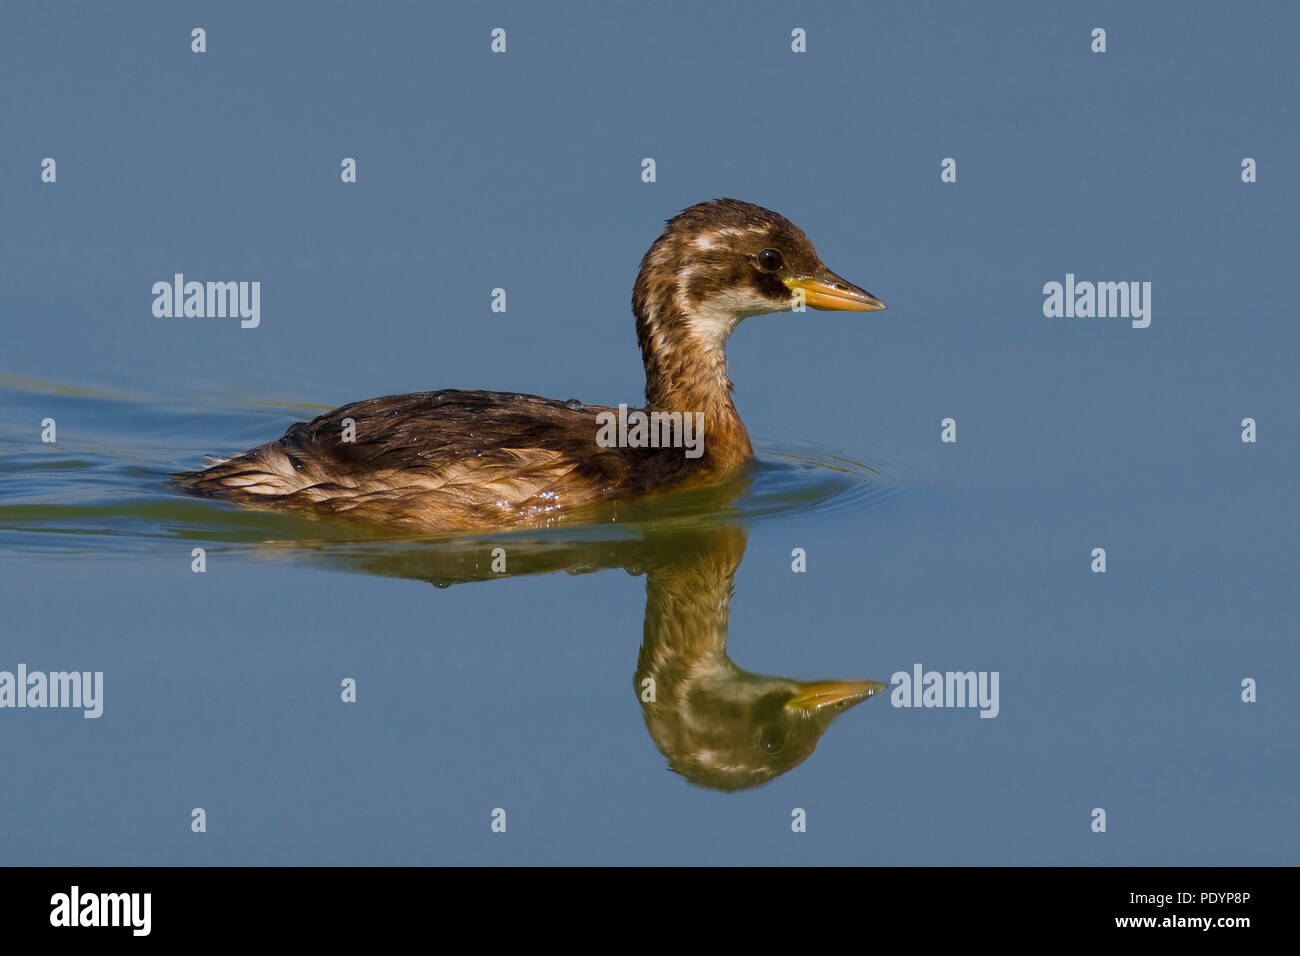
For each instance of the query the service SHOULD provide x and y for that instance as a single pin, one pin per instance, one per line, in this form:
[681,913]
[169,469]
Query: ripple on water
[105,489]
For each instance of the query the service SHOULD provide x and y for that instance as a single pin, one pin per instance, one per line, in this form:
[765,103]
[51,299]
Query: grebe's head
[720,262]
[731,730]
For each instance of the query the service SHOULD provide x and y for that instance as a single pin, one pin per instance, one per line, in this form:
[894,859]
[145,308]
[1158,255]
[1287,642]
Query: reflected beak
[832,694]
[829,291]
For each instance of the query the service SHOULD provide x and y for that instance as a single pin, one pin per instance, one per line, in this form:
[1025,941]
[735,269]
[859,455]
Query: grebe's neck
[684,351]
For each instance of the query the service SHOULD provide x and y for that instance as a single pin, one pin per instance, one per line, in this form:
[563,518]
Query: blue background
[522,170]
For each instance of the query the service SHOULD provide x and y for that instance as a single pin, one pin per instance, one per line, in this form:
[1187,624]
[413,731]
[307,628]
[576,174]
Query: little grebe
[459,460]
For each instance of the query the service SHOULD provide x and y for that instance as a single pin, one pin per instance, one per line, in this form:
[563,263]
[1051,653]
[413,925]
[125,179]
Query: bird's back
[445,460]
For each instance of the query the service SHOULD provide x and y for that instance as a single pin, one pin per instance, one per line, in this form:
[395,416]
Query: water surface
[520,689]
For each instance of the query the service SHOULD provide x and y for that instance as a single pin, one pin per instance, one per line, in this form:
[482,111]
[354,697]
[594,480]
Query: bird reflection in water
[718,725]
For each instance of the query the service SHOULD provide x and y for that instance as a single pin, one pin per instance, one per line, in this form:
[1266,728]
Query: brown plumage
[468,460]
[718,725]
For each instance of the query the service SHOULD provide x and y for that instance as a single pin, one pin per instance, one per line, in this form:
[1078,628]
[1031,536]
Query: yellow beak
[829,291]
[829,694]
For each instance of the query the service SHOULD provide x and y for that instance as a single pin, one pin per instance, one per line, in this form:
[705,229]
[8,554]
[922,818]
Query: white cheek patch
[714,319]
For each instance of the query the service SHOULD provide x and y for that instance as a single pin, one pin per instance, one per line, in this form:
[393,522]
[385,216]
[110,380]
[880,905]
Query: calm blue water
[222,690]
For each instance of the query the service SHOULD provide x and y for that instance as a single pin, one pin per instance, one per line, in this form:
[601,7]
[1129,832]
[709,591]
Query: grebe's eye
[769,260]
